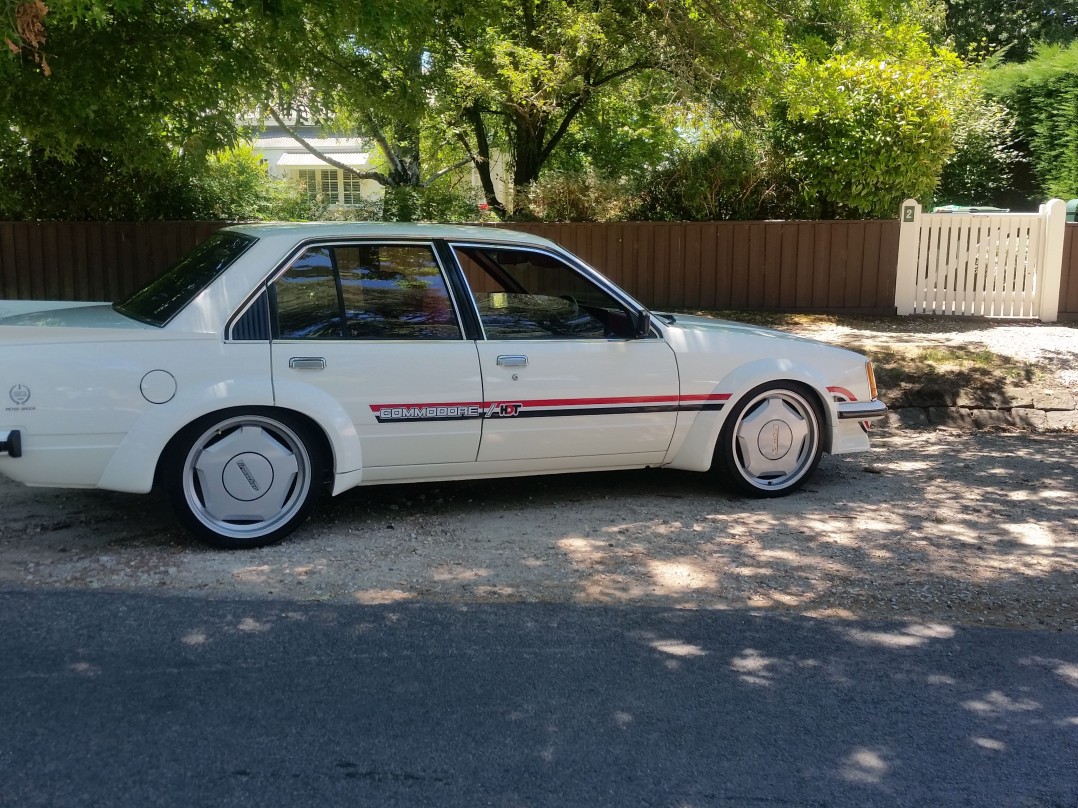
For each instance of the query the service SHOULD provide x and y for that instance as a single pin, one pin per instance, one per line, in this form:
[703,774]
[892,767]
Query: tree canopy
[666,108]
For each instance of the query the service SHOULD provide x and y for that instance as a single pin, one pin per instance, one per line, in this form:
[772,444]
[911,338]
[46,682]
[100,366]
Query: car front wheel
[245,479]
[771,441]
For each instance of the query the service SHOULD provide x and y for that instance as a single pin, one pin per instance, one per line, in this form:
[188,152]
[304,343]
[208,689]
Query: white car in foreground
[276,363]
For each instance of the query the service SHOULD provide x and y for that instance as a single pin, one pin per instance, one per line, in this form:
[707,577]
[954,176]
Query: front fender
[693,447]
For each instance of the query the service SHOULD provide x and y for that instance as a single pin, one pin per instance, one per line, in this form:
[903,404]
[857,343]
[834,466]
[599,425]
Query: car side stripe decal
[549,408]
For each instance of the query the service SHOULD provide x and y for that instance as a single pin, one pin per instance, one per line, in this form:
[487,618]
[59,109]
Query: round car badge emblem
[20,394]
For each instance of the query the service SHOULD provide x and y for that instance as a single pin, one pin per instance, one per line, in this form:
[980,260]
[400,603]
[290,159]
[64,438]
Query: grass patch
[938,376]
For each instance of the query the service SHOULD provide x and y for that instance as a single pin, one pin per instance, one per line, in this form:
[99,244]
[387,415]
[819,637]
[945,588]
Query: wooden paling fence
[831,266]
[90,260]
[789,266]
[780,266]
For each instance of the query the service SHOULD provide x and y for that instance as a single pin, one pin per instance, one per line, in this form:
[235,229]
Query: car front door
[564,376]
[374,326]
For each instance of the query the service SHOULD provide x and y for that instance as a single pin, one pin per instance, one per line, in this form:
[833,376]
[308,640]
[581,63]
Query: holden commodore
[278,363]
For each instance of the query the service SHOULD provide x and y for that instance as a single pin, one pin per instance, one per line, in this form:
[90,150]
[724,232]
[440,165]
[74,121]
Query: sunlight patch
[377,597]
[253,575]
[1032,533]
[678,648]
[752,667]
[681,575]
[997,703]
[864,765]
[449,573]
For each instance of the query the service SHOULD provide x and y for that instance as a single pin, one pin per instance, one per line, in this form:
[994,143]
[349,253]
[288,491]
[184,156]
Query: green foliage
[574,196]
[127,78]
[981,27]
[443,201]
[587,100]
[982,168]
[626,133]
[877,29]
[520,74]
[235,186]
[95,187]
[733,176]
[1043,93]
[861,135]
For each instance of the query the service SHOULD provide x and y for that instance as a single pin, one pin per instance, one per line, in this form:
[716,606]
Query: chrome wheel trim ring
[775,439]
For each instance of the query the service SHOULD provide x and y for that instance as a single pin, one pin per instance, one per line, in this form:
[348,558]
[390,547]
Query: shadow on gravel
[940,525]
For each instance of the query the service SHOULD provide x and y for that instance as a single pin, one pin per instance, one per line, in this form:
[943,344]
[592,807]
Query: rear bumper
[10,443]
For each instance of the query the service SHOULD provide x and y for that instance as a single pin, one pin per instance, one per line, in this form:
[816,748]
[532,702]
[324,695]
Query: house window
[352,191]
[330,185]
[320,185]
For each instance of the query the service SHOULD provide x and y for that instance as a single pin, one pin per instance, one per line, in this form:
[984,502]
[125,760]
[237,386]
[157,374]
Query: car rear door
[374,325]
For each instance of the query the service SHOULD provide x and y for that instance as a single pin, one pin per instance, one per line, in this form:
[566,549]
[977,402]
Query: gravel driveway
[937,525]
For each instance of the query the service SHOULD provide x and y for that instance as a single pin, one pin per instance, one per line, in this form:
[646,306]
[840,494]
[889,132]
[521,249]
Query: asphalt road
[129,700]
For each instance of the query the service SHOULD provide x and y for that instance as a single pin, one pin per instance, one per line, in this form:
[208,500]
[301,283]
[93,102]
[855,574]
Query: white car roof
[294,232]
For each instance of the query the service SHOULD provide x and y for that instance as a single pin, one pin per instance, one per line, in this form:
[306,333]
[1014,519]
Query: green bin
[963,209]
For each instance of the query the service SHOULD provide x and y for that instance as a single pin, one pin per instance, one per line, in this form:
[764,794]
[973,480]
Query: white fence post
[1051,269]
[908,242]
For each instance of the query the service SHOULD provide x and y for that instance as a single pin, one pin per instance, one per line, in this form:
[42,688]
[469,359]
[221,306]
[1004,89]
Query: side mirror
[641,321]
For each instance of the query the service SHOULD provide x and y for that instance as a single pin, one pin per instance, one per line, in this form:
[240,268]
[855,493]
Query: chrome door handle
[513,361]
[307,363]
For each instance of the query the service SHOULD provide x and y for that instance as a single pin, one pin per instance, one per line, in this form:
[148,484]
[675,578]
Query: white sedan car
[276,363]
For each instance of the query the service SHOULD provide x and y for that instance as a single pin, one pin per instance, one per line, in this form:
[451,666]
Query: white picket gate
[981,264]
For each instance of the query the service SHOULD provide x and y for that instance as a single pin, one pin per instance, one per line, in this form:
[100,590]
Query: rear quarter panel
[82,400]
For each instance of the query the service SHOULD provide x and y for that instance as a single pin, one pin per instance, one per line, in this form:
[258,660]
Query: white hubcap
[777,437]
[246,476]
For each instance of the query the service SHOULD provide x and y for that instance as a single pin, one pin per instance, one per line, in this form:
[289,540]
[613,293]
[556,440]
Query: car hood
[61,315]
[717,327]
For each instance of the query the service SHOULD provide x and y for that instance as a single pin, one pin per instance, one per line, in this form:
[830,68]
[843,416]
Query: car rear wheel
[772,440]
[245,479]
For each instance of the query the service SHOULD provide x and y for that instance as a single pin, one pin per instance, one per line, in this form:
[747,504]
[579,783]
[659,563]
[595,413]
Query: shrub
[731,176]
[861,135]
[574,196]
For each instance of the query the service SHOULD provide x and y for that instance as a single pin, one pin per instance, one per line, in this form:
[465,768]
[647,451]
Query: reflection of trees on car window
[375,291]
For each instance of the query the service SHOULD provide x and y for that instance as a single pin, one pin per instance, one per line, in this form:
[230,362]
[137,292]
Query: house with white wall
[286,159]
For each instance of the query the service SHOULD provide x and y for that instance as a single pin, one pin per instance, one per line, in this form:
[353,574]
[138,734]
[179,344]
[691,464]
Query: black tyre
[244,479]
[772,440]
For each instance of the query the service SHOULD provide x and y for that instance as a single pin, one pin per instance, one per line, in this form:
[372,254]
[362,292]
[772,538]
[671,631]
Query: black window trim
[344,241]
[631,306]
